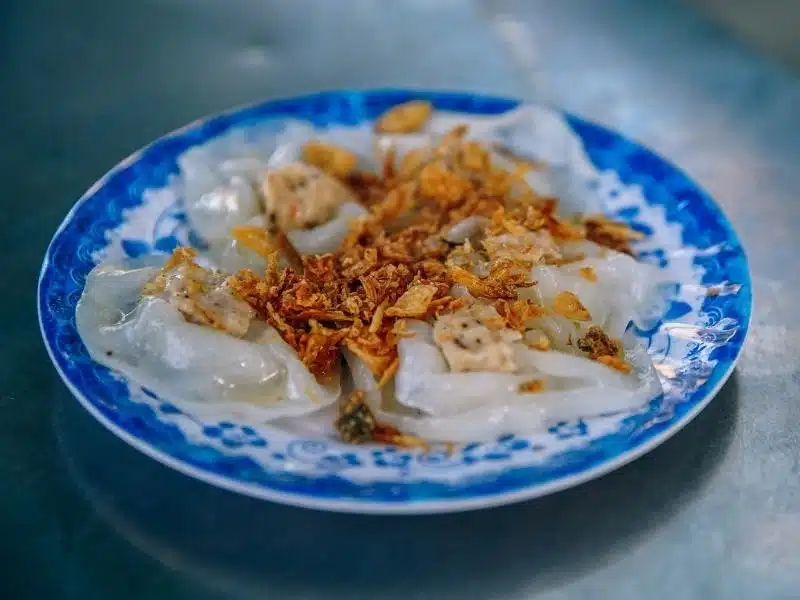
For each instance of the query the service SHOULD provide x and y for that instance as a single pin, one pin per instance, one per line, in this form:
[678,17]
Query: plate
[137,208]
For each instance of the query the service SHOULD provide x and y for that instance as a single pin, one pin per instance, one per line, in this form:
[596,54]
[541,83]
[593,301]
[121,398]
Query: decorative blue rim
[69,259]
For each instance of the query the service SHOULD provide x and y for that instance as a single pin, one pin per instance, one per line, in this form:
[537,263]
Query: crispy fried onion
[396,262]
[504,279]
[354,298]
[611,234]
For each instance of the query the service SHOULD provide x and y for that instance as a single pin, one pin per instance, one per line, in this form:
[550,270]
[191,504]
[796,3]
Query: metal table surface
[713,513]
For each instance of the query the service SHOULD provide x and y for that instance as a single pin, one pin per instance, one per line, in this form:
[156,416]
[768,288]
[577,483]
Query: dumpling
[614,288]
[545,136]
[312,208]
[220,194]
[436,397]
[328,236]
[425,381]
[532,132]
[179,331]
[230,255]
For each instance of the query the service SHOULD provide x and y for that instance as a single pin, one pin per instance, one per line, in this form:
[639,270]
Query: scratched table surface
[713,513]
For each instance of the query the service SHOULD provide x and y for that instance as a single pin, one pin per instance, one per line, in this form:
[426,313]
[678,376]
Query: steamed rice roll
[179,330]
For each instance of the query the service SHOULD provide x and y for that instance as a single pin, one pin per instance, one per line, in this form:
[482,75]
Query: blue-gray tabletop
[713,513]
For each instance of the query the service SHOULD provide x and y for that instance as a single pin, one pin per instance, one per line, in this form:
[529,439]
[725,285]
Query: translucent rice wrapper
[230,255]
[430,401]
[148,340]
[533,133]
[624,291]
[221,183]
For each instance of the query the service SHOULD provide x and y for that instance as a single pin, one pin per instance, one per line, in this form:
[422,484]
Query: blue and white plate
[137,208]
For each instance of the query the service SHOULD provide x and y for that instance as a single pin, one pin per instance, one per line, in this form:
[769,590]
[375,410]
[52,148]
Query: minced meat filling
[476,338]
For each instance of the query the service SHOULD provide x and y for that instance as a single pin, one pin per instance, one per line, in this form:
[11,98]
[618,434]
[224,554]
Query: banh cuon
[435,295]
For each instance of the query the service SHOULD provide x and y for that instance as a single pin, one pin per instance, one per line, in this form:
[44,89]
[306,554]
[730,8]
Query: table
[713,513]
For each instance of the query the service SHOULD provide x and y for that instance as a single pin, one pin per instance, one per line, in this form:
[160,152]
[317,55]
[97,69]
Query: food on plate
[405,118]
[180,330]
[311,207]
[439,296]
[301,196]
[476,338]
[334,160]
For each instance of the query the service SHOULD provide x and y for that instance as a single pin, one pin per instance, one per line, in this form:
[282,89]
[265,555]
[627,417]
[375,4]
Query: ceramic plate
[137,208]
